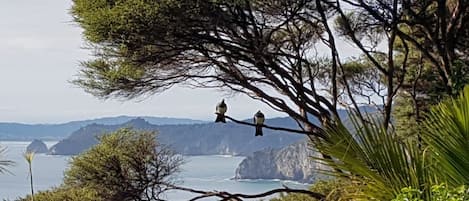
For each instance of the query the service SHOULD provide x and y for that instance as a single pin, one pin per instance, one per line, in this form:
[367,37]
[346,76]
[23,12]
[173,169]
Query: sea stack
[37,146]
[293,162]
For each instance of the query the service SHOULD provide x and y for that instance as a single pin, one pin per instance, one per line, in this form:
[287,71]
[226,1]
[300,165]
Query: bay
[212,172]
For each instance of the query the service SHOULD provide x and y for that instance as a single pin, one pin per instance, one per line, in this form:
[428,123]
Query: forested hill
[19,131]
[196,139]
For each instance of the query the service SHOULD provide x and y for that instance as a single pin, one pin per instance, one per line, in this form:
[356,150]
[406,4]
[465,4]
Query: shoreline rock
[293,163]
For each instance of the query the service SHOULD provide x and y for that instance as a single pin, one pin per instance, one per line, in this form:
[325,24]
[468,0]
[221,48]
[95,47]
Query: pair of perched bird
[258,117]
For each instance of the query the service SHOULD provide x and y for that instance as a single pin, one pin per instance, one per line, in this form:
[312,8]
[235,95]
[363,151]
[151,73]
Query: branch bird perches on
[317,132]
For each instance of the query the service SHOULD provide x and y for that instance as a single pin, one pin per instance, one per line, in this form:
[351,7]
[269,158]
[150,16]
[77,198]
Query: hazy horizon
[208,120]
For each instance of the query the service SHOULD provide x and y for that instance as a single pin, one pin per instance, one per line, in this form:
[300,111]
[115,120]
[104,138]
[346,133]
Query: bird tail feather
[259,131]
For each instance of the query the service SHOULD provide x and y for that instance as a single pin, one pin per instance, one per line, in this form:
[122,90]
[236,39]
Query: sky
[40,52]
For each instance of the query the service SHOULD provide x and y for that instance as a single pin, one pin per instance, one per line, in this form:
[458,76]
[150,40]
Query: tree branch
[226,196]
[316,131]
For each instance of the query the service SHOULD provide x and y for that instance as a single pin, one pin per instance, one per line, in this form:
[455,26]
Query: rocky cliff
[37,146]
[290,163]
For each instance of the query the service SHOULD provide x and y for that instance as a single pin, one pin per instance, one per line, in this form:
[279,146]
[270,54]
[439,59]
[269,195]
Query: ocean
[212,172]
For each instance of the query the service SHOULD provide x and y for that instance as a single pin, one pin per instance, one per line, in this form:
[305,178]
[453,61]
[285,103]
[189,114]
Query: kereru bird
[220,111]
[259,121]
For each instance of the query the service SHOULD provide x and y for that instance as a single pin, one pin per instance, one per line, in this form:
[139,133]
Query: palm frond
[4,163]
[380,162]
[447,135]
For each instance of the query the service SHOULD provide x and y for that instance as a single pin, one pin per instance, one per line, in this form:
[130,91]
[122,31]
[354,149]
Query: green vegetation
[446,131]
[334,189]
[269,51]
[382,165]
[438,193]
[65,194]
[377,160]
[126,165]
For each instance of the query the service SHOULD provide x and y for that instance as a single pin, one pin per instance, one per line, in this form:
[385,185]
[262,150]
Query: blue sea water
[199,172]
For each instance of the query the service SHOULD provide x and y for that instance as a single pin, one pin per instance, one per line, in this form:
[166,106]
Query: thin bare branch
[226,196]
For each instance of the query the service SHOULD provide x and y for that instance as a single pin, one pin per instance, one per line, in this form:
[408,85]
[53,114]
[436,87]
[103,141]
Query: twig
[226,196]
[279,190]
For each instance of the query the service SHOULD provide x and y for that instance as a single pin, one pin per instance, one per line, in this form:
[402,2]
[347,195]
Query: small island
[37,146]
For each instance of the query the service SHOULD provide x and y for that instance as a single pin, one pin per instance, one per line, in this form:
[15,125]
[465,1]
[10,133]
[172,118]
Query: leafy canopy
[383,163]
[126,165]
[65,194]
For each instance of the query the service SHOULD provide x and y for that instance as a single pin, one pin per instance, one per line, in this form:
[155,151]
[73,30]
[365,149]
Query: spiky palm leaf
[447,135]
[4,163]
[377,160]
[382,163]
